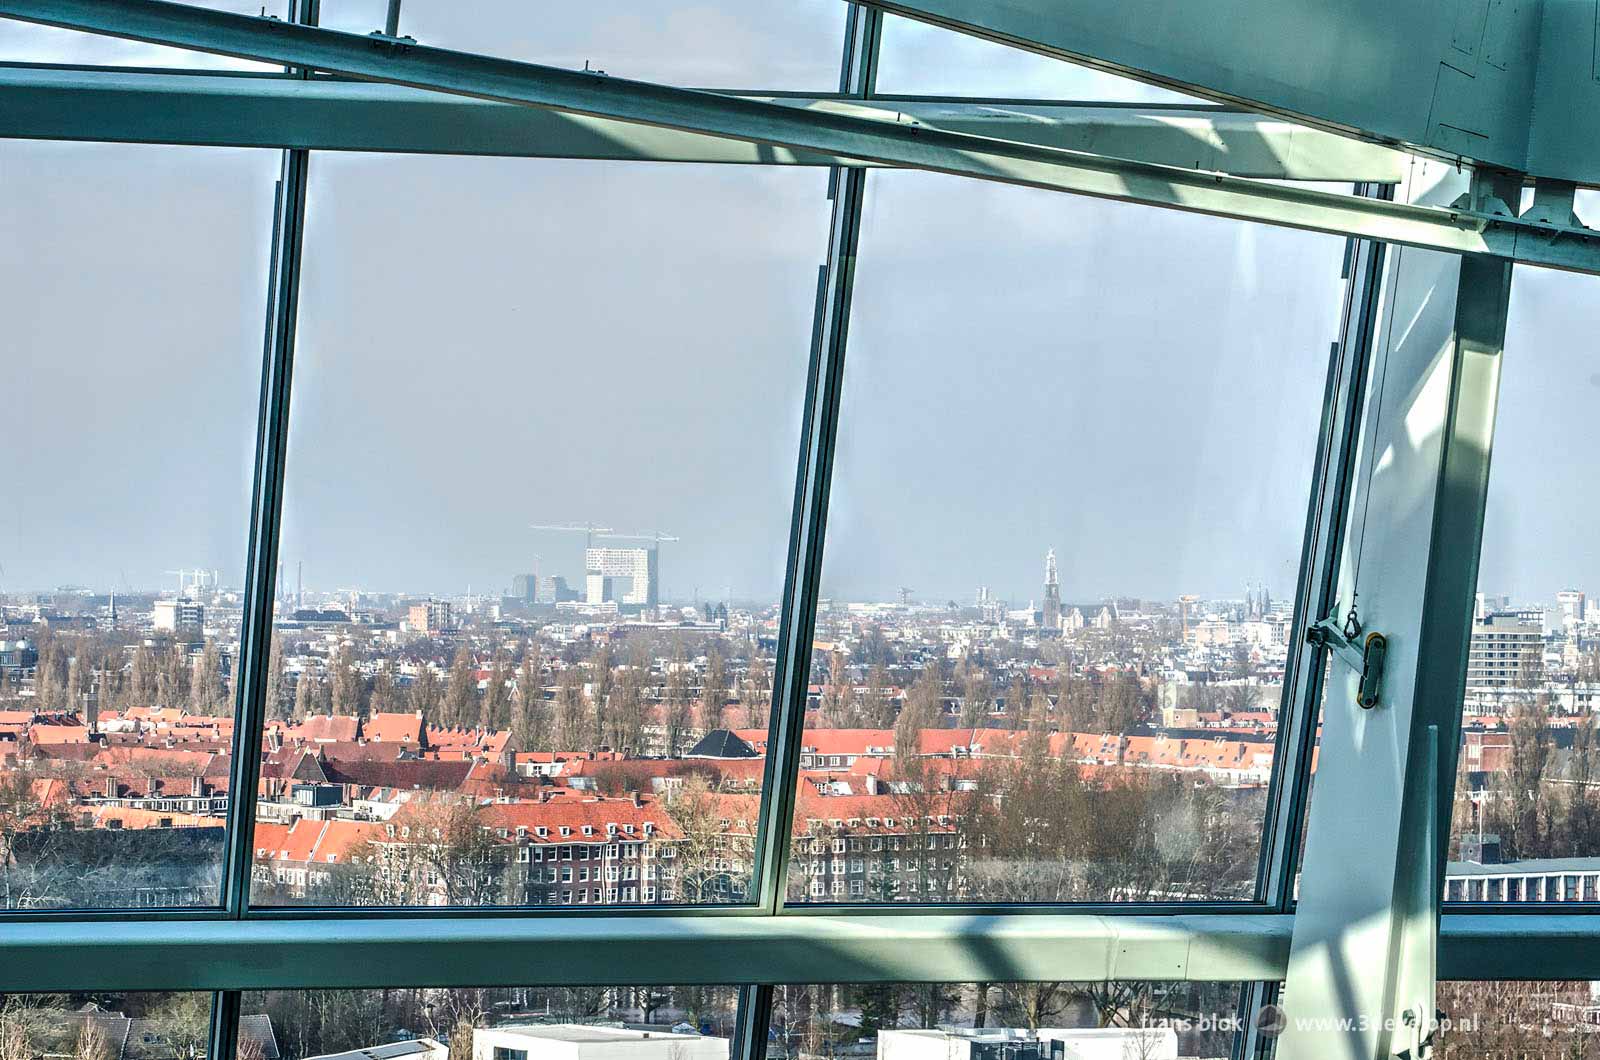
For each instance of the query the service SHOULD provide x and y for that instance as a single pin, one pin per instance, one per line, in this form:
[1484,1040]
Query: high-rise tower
[1052,593]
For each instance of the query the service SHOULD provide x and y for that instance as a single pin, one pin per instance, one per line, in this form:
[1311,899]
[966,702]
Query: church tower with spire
[1051,618]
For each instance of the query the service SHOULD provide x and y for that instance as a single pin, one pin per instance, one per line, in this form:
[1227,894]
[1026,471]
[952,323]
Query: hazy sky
[1029,371]
[1539,525]
[133,281]
[487,343]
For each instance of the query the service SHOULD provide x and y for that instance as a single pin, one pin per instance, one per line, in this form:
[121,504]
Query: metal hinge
[1364,655]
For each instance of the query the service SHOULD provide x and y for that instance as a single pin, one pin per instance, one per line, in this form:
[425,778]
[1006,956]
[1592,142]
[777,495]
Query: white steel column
[1410,565]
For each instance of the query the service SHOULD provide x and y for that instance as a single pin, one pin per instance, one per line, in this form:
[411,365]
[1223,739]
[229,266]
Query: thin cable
[1370,456]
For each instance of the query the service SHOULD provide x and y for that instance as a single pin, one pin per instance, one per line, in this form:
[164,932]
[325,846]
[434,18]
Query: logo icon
[1270,1021]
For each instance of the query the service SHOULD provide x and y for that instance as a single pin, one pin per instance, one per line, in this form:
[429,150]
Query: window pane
[1066,520]
[491,350]
[1015,1021]
[106,1026]
[134,281]
[1526,823]
[503,1023]
[30,43]
[919,59]
[783,44]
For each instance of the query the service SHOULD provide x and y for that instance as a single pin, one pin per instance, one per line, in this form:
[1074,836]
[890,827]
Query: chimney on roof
[111,787]
[638,800]
[197,786]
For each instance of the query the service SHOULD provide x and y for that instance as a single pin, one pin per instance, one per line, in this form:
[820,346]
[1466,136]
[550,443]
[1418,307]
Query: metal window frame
[1361,976]
[271,110]
[260,597]
[253,954]
[1525,239]
[236,946]
[1328,508]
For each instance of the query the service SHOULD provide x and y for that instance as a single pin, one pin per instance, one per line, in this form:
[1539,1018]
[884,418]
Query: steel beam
[516,951]
[899,142]
[1452,79]
[507,951]
[1514,85]
[1409,563]
[1547,946]
[219,110]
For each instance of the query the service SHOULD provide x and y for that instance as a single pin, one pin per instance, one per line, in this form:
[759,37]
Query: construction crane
[644,535]
[588,530]
[194,581]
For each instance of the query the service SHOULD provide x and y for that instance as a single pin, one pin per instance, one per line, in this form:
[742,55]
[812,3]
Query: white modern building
[576,1041]
[630,576]
[1505,653]
[414,1049]
[1047,1043]
[176,616]
[1572,604]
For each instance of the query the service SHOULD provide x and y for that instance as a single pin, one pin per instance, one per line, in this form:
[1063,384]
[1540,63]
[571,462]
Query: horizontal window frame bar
[376,953]
[570,912]
[898,143]
[1540,946]
[336,114]
[307,953]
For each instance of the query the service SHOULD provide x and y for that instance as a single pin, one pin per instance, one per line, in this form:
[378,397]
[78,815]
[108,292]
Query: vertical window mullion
[224,1037]
[754,1017]
[266,509]
[791,674]
[283,280]
[1331,490]
[820,426]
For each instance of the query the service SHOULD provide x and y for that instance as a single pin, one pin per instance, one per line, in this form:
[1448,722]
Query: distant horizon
[498,593]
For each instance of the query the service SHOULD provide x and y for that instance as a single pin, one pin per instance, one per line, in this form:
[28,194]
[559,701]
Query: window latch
[1364,655]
